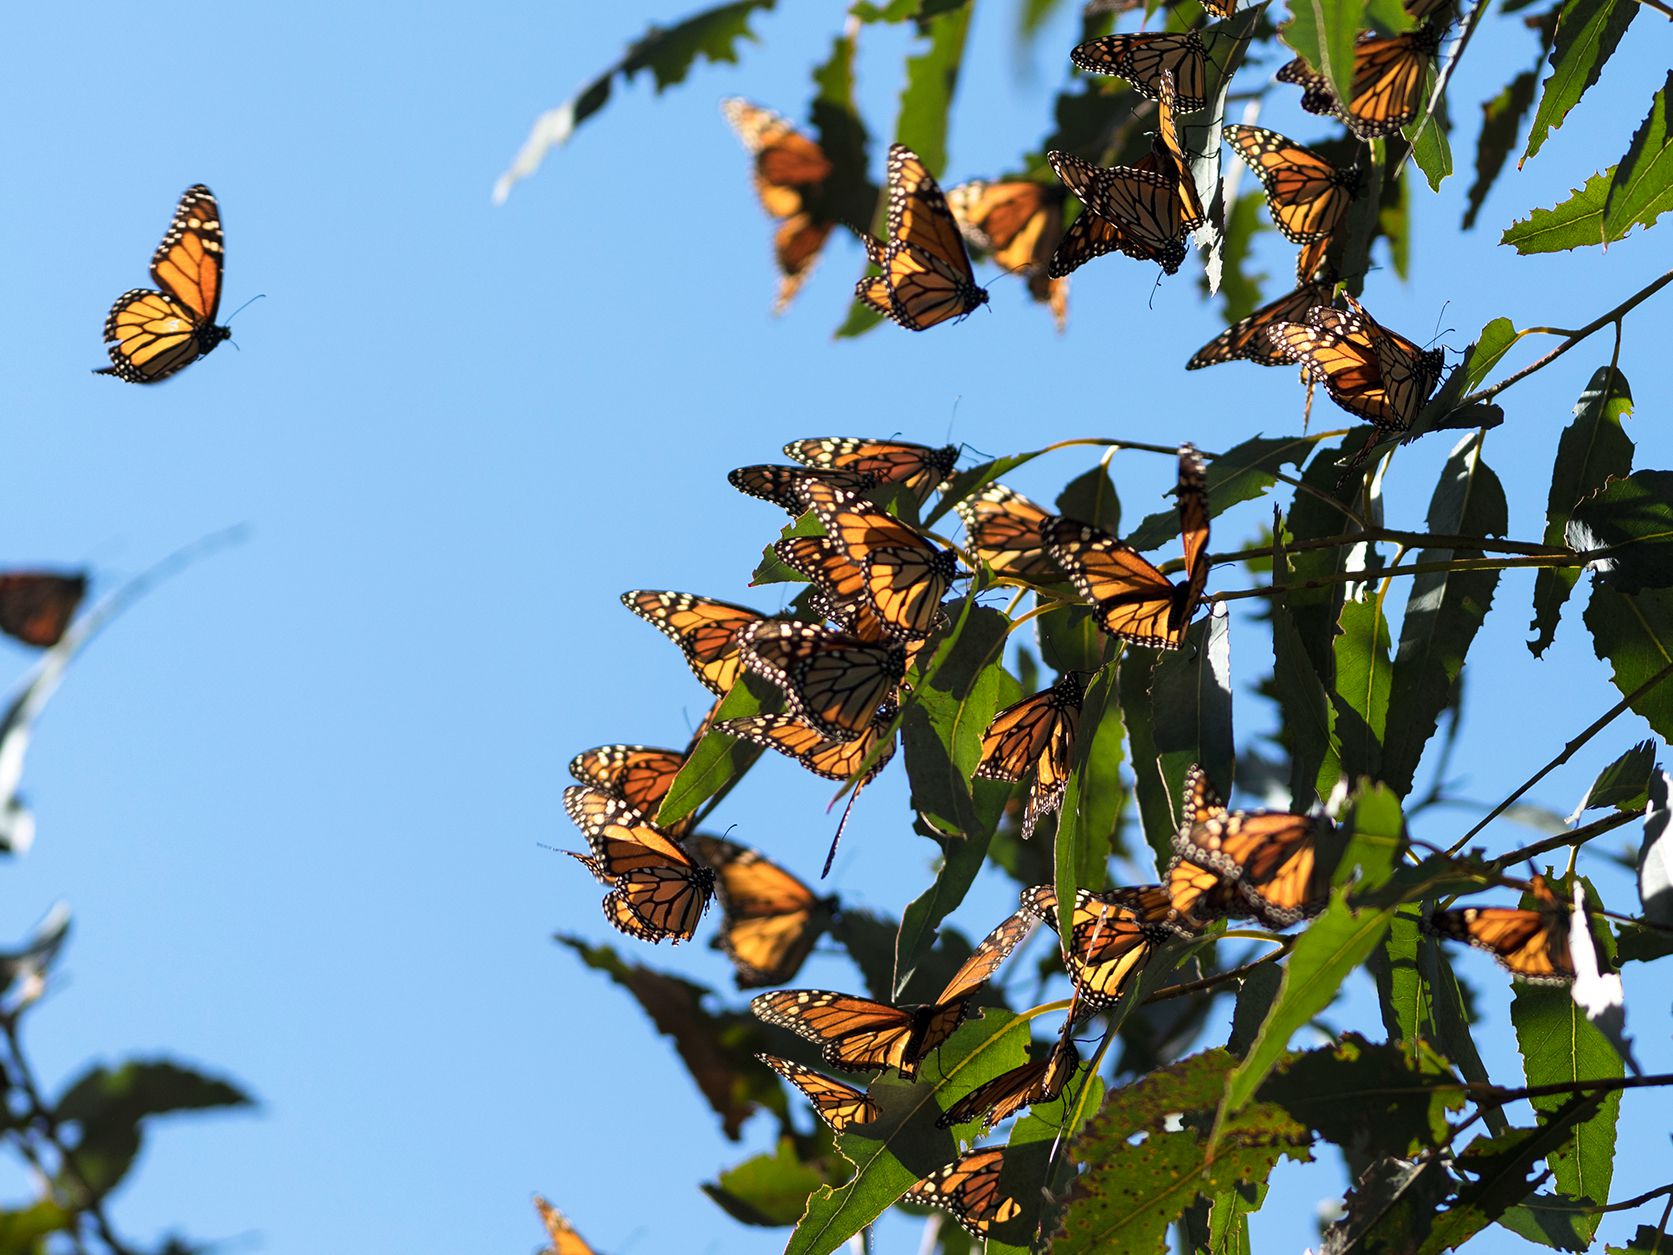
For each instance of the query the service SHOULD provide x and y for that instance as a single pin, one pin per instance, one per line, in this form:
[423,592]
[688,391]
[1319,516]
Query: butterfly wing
[853,1033]
[838,1105]
[834,760]
[638,774]
[189,263]
[787,165]
[1142,59]
[1004,530]
[919,467]
[971,1189]
[1132,601]
[1142,203]
[832,682]
[785,486]
[1037,1081]
[565,1241]
[1247,338]
[1307,196]
[1088,237]
[36,606]
[771,918]
[1036,735]
[621,838]
[906,575]
[705,630]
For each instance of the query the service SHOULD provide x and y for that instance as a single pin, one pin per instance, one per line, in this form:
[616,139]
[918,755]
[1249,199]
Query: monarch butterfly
[1247,338]
[919,467]
[838,1105]
[835,760]
[1036,735]
[1136,210]
[1090,237]
[973,1190]
[770,919]
[1310,264]
[1530,943]
[1037,1081]
[905,574]
[832,682]
[785,486]
[1143,59]
[1020,223]
[1368,370]
[926,268]
[1108,944]
[1169,148]
[1197,896]
[565,1241]
[1387,92]
[1307,196]
[840,592]
[638,774]
[36,606]
[1272,856]
[705,630]
[1153,906]
[151,334]
[861,1035]
[657,882]
[787,165]
[1004,529]
[1131,599]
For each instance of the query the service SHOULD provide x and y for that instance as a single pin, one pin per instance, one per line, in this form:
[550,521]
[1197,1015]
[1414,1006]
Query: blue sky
[295,799]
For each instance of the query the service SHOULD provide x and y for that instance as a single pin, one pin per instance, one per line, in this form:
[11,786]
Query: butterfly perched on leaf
[1108,945]
[1019,223]
[1274,858]
[1005,530]
[1037,1081]
[861,1035]
[705,630]
[1247,338]
[658,891]
[927,277]
[565,1241]
[920,468]
[1307,195]
[770,919]
[36,606]
[982,1190]
[1131,600]
[1036,735]
[1144,59]
[1389,79]
[787,486]
[832,682]
[1368,370]
[1531,943]
[638,774]
[838,1105]
[152,334]
[788,165]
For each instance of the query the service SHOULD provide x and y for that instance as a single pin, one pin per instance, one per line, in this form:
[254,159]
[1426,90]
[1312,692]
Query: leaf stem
[1280,949]
[1576,837]
[1487,1094]
[1427,540]
[1416,568]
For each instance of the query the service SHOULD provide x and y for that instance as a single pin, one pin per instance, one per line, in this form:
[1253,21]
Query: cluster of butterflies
[1147,211]
[876,585]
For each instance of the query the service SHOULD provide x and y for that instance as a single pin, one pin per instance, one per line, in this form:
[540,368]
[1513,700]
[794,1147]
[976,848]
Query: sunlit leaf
[1364,681]
[1587,34]
[1574,223]
[1633,515]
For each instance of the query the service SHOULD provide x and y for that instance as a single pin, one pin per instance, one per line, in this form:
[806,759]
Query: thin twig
[1490,1095]
[1219,978]
[1416,568]
[1424,540]
[1576,837]
[1594,1209]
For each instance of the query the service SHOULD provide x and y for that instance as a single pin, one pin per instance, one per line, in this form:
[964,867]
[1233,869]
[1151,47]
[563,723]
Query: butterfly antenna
[246,305]
[1151,303]
[952,421]
[830,856]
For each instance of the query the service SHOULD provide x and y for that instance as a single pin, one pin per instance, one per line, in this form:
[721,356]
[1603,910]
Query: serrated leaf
[1634,516]
[766,1190]
[1574,223]
[1431,150]
[1323,33]
[1500,124]
[1634,635]
[1587,34]
[1390,1208]
[1090,497]
[668,53]
[931,79]
[1643,185]
[1593,448]
[1624,784]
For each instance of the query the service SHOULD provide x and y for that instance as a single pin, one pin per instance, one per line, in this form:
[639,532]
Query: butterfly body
[1532,944]
[660,892]
[1388,79]
[1036,735]
[1307,195]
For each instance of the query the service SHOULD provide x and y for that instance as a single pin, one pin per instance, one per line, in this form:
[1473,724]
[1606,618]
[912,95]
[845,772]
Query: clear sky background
[296,797]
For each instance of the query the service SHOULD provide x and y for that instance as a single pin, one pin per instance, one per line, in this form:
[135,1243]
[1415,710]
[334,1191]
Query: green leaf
[1192,691]
[1594,447]
[1501,123]
[847,194]
[1634,635]
[1625,783]
[1649,1240]
[1151,790]
[1241,474]
[1323,33]
[1377,1098]
[1444,610]
[931,79]
[1402,994]
[1587,34]
[1427,135]
[1643,186]
[1069,639]
[1575,223]
[1315,515]
[1085,821]
[1636,514]
[1546,1219]
[766,1190]
[1090,497]
[1364,678]
[667,52]
[967,483]
[718,761]
[1390,1208]
[1451,1016]
[1307,723]
[1227,42]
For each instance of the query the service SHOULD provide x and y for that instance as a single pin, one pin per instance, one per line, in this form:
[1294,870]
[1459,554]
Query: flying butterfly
[1132,600]
[1307,196]
[786,486]
[1019,223]
[1388,80]
[1136,210]
[838,1105]
[152,334]
[1532,944]
[1090,237]
[920,468]
[36,606]
[1247,338]
[1036,735]
[1143,60]
[638,774]
[1273,857]
[1108,944]
[1037,1081]
[974,1190]
[770,920]
[655,880]
[705,630]
[1368,370]
[832,682]
[787,166]
[926,268]
[861,1035]
[1004,530]
[565,1241]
